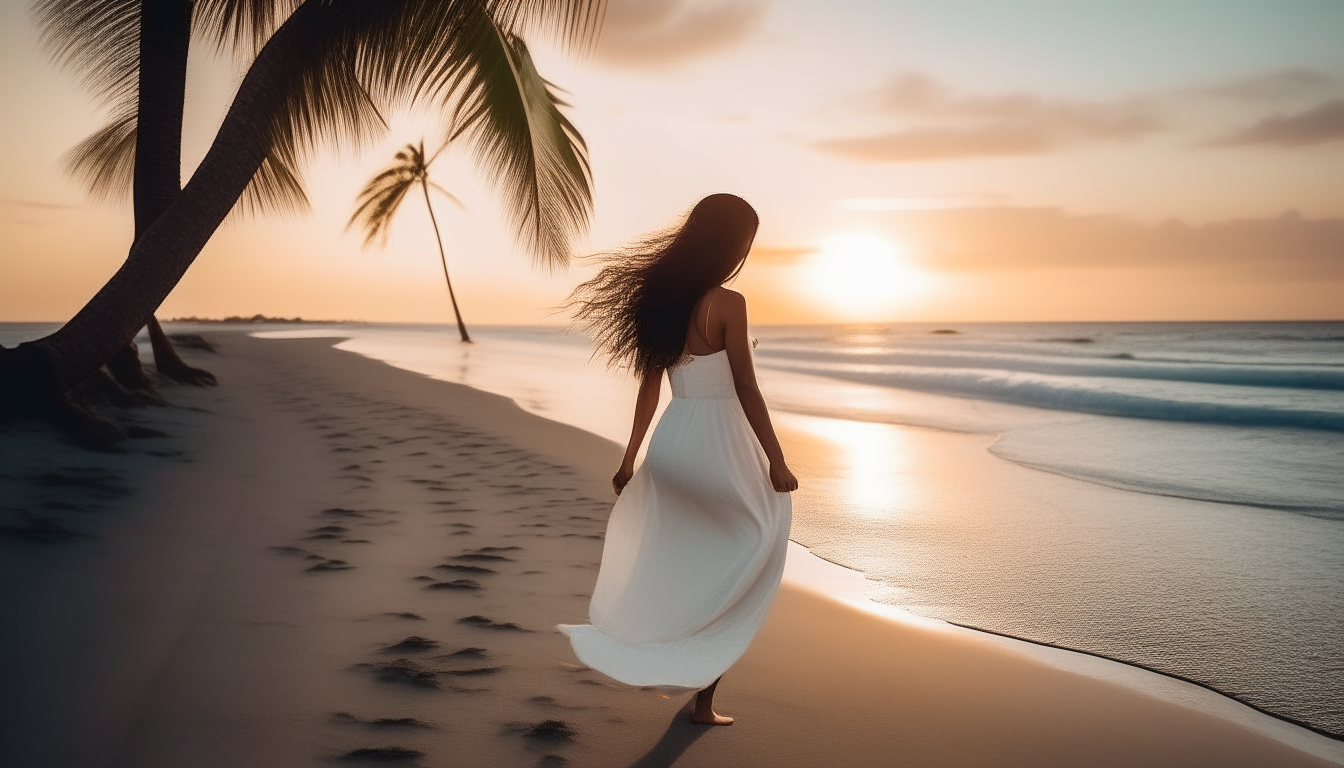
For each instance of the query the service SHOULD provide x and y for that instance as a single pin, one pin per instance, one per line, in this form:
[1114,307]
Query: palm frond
[98,41]
[357,58]
[277,188]
[451,197]
[361,57]
[533,154]
[240,25]
[322,100]
[105,161]
[575,23]
[377,204]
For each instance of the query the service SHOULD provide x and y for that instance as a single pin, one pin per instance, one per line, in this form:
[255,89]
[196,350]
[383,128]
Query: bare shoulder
[736,301]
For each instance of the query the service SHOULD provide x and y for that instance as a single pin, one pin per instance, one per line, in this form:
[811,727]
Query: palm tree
[325,72]
[140,148]
[381,198]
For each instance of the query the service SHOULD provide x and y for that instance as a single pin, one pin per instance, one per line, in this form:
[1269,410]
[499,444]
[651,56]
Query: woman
[696,540]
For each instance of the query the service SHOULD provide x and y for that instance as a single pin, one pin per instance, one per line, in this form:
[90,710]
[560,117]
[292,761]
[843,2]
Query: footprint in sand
[343,512]
[464,568]
[485,623]
[383,754]
[474,671]
[412,643]
[482,557]
[327,532]
[546,730]
[402,672]
[486,554]
[466,653]
[288,550]
[466,584]
[329,565]
[381,722]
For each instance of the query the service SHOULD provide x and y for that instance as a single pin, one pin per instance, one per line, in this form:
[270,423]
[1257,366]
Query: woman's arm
[645,405]
[748,393]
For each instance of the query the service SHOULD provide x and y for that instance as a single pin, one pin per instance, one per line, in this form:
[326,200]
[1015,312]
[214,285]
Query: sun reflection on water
[871,462]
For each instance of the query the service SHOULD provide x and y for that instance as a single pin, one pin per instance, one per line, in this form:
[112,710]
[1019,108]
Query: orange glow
[875,458]
[858,276]
[1037,184]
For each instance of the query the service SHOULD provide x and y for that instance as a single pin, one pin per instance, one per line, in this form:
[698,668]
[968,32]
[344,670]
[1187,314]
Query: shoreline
[1171,675]
[878,608]
[824,681]
[808,577]
[1132,673]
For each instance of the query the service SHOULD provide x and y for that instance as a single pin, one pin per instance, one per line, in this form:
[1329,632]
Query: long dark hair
[639,305]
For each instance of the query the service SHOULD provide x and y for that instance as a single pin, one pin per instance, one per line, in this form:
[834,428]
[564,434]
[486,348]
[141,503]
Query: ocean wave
[1116,366]
[1083,396]
[1144,484]
[1286,469]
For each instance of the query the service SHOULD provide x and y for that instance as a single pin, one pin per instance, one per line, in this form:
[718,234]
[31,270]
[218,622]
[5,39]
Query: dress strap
[704,335]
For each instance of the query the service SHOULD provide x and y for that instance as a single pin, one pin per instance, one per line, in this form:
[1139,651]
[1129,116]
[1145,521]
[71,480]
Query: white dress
[694,547]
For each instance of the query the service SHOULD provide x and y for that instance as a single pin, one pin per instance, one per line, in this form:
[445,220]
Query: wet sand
[330,559]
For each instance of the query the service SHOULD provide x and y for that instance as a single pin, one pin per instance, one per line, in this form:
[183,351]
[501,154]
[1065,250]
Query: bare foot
[713,718]
[703,711]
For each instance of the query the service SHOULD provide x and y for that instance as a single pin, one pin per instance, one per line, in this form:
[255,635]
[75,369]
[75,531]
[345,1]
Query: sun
[859,276]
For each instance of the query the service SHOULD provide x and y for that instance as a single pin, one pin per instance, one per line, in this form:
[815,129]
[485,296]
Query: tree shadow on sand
[681,733]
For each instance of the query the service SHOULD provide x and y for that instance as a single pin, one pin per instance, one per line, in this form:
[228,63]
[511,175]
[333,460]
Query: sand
[329,559]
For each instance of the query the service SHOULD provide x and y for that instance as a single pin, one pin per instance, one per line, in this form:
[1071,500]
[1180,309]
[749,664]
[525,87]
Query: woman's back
[706,330]
[704,377]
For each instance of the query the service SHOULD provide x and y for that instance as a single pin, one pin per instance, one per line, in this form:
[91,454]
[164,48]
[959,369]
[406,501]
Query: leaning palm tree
[381,198]
[326,71]
[139,150]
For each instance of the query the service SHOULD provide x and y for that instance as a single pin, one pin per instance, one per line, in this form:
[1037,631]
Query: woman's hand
[782,479]
[621,477]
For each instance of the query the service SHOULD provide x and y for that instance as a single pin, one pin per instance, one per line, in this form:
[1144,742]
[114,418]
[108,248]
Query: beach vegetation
[320,72]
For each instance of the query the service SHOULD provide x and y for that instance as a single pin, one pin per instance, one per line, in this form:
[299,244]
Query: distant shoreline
[239,320]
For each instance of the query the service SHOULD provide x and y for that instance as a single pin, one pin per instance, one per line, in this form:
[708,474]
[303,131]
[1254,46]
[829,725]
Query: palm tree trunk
[165,41]
[461,327]
[162,254]
[169,363]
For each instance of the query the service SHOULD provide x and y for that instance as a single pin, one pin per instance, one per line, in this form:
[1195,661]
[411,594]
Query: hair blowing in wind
[638,307]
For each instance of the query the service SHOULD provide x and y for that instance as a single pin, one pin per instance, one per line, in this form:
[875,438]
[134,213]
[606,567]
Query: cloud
[918,203]
[1013,238]
[928,144]
[764,254]
[1318,125]
[914,93]
[992,239]
[922,119]
[938,123]
[36,204]
[657,34]
[28,212]
[1272,86]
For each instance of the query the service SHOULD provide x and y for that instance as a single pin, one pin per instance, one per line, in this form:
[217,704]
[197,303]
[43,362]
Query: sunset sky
[933,161]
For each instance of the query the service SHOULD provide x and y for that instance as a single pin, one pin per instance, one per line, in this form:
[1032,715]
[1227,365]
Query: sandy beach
[330,560]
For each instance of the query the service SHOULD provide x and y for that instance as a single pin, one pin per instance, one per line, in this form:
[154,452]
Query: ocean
[1169,495]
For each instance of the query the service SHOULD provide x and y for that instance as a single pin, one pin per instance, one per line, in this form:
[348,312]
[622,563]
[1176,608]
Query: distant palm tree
[381,198]
[320,70]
